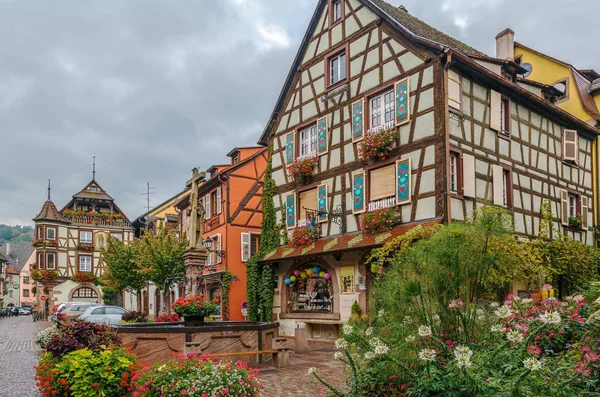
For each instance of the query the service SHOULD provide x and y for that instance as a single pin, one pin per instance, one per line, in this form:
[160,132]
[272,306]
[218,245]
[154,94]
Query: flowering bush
[81,335]
[84,278]
[304,236]
[44,337]
[381,220]
[133,317]
[302,168]
[44,243]
[85,247]
[197,376]
[43,276]
[195,305]
[86,373]
[167,318]
[377,145]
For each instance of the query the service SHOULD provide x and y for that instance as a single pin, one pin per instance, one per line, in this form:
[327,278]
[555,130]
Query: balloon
[309,271]
[293,279]
[315,269]
[303,275]
[374,268]
[327,276]
[321,273]
[296,273]
[287,281]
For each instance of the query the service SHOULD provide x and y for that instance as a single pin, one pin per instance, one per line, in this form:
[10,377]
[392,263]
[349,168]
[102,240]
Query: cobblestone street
[18,356]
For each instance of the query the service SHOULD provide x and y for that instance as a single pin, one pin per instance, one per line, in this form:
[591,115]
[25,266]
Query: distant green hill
[15,234]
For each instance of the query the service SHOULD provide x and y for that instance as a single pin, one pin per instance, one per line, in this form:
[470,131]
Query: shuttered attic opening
[382,183]
[570,145]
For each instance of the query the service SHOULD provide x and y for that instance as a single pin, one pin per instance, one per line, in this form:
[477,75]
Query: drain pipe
[448,53]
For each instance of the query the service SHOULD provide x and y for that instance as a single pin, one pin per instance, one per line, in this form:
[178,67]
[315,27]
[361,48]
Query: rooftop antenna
[147,194]
[94,169]
[49,189]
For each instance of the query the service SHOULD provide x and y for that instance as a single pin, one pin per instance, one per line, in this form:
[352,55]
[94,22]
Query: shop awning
[343,242]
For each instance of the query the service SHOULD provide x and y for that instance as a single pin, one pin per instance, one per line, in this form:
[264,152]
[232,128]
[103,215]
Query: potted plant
[380,221]
[194,309]
[302,169]
[377,145]
[576,221]
[304,236]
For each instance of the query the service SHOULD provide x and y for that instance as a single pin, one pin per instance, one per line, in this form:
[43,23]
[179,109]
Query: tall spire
[94,170]
[49,189]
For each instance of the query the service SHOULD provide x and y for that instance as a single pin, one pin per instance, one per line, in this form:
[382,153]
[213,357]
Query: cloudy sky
[153,88]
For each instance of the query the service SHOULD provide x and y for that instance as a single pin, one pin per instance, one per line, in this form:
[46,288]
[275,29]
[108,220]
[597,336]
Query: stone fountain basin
[156,342]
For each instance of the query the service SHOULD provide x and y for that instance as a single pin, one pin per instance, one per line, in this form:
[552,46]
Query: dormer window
[336,12]
[236,159]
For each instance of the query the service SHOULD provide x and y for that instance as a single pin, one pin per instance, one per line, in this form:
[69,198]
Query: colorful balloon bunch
[315,271]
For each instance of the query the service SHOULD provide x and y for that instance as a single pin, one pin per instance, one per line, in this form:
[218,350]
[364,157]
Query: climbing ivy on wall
[260,287]
[226,284]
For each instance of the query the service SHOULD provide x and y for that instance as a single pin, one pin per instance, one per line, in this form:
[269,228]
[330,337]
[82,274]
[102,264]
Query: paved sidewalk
[18,356]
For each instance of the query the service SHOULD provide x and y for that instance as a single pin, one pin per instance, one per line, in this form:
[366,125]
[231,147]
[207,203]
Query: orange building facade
[231,198]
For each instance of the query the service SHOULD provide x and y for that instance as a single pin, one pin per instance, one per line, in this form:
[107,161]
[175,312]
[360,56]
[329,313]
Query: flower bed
[380,221]
[300,169]
[43,276]
[44,337]
[84,278]
[167,318]
[134,317]
[377,145]
[304,236]
[44,243]
[197,376]
[85,247]
[194,306]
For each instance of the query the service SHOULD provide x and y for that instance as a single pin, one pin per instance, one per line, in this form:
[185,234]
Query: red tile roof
[343,242]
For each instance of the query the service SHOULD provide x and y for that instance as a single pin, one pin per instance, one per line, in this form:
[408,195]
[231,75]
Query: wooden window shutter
[358,192]
[290,211]
[584,211]
[382,182]
[495,110]
[469,182]
[307,200]
[564,207]
[454,90]
[218,248]
[570,145]
[290,147]
[498,182]
[207,203]
[245,246]
[218,203]
[322,202]
[402,101]
[357,120]
[322,135]
[403,181]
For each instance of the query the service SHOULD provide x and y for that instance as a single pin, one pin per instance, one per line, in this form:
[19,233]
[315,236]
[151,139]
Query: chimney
[505,43]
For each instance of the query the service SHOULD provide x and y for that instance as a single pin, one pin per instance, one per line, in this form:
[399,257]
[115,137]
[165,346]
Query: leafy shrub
[45,336]
[197,376]
[81,335]
[134,317]
[167,318]
[84,373]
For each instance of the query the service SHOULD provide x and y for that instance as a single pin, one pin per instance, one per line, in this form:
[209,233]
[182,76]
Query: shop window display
[311,290]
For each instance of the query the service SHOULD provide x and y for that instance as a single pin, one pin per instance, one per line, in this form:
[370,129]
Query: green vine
[226,285]
[252,287]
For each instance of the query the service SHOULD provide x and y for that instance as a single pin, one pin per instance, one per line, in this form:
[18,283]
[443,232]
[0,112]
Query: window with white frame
[382,110]
[337,68]
[337,10]
[85,263]
[118,236]
[454,165]
[51,233]
[573,205]
[308,141]
[40,260]
[40,232]
[50,261]
[85,237]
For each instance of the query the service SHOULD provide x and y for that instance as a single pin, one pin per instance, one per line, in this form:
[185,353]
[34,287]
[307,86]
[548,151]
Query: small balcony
[381,204]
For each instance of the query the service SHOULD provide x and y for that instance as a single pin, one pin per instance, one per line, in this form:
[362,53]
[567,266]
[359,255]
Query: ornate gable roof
[93,190]
[49,212]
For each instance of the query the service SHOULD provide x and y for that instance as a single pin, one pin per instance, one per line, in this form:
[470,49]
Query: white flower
[369,355]
[516,298]
[159,369]
[347,329]
[578,298]
[463,350]
[496,328]
[515,336]
[407,320]
[504,311]
[436,319]
[427,354]
[532,364]
[494,305]
[381,349]
[312,370]
[369,331]
[381,313]
[338,355]
[341,344]
[424,331]
[550,317]
[410,338]
[463,362]
[527,301]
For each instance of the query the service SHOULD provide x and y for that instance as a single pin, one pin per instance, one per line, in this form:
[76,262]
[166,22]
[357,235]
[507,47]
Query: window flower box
[381,220]
[43,276]
[85,278]
[576,221]
[44,243]
[377,145]
[301,169]
[304,236]
[86,247]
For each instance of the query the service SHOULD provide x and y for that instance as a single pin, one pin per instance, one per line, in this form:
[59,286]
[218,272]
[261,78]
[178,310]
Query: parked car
[25,310]
[70,312]
[61,306]
[103,314]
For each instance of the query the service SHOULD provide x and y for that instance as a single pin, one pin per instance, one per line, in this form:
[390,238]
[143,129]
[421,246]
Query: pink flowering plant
[378,145]
[302,168]
[196,375]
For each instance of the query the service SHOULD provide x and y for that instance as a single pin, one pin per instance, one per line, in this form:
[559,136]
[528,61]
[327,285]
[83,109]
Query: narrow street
[18,356]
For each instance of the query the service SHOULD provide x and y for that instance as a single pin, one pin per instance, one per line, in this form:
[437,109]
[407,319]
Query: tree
[160,258]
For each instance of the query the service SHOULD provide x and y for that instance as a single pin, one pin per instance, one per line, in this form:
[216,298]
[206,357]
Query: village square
[353,200]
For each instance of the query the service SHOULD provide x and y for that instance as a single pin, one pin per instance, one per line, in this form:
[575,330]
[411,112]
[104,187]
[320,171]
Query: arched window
[310,290]
[85,293]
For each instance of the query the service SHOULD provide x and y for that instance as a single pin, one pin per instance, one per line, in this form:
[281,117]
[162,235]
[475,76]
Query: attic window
[562,86]
[529,68]
[235,159]
[336,12]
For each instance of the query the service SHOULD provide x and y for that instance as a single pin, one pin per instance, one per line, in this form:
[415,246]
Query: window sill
[570,163]
[333,24]
[575,229]
[340,83]
[457,195]
[504,135]
[309,315]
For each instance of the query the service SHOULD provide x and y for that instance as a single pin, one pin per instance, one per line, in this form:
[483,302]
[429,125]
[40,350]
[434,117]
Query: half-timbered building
[464,134]
[70,242]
